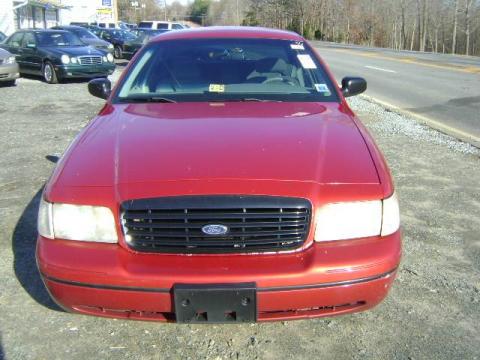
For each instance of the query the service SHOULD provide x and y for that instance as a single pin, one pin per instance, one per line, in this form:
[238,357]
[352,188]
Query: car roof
[60,27]
[42,30]
[230,32]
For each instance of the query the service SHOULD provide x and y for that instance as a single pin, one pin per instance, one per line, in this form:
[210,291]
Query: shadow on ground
[62,81]
[2,354]
[460,102]
[24,240]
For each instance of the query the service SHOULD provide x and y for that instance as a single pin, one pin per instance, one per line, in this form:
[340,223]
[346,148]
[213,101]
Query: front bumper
[324,280]
[84,71]
[9,72]
[129,51]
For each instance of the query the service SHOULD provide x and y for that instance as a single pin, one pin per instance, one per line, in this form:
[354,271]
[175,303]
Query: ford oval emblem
[214,229]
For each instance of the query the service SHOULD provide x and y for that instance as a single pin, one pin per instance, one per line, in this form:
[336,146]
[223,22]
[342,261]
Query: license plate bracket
[215,303]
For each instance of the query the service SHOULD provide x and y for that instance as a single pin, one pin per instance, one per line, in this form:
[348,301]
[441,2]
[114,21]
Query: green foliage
[294,26]
[250,19]
[199,10]
[319,35]
[309,31]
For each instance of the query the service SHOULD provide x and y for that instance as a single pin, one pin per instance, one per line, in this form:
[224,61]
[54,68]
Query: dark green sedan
[143,36]
[57,55]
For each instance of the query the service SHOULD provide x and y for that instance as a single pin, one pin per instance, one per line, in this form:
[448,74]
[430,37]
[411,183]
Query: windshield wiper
[254,100]
[243,100]
[147,99]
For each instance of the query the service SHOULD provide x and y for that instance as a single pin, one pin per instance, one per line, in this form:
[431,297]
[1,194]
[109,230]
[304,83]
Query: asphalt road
[441,90]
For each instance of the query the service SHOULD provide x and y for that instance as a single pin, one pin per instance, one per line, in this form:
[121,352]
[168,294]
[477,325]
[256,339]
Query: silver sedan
[8,68]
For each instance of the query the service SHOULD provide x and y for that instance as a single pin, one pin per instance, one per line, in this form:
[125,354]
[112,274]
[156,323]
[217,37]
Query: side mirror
[31,46]
[352,86]
[100,88]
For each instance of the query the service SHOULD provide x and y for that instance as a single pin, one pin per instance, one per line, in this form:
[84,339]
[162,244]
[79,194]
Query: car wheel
[49,74]
[117,52]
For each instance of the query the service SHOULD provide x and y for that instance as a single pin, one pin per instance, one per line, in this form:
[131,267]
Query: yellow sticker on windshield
[219,88]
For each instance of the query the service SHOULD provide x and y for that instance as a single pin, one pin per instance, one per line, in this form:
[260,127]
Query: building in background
[22,14]
[39,14]
[88,11]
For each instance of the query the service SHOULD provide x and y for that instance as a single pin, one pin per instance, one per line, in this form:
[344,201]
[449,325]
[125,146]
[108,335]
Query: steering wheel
[284,79]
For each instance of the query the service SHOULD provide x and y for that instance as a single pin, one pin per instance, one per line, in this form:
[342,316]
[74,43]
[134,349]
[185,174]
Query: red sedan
[225,180]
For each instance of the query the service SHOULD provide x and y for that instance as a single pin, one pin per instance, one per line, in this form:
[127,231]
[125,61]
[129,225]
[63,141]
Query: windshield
[144,35]
[122,34]
[226,70]
[58,39]
[84,33]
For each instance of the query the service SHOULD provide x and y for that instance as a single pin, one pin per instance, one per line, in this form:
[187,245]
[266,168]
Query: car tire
[49,74]
[117,52]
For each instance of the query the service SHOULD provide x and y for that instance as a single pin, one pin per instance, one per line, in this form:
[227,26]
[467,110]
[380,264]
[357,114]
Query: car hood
[135,144]
[73,50]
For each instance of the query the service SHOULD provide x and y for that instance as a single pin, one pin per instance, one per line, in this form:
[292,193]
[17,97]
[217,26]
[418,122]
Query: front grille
[90,60]
[255,223]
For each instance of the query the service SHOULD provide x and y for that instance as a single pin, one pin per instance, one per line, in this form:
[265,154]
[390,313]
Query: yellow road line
[412,60]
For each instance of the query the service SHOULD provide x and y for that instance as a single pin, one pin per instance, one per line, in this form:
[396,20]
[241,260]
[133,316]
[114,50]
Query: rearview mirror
[352,86]
[100,88]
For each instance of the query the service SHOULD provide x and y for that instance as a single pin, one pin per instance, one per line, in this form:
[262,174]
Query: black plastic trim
[106,287]
[325,285]
[265,289]
[188,214]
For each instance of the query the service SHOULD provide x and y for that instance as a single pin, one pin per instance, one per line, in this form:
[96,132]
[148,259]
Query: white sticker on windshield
[306,61]
[322,88]
[297,46]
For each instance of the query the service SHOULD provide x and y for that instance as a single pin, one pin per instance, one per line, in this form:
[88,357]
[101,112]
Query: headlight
[110,46]
[76,222]
[65,59]
[104,59]
[74,60]
[351,220]
[391,215]
[10,60]
[110,57]
[45,218]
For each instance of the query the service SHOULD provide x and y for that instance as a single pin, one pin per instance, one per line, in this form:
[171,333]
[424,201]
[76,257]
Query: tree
[199,10]
[455,25]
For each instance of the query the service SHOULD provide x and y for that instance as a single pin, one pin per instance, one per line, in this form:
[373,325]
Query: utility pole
[165,10]
[115,11]
[238,15]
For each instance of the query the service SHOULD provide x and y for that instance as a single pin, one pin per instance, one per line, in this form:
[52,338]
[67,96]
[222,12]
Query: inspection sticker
[306,61]
[297,46]
[322,88]
[219,88]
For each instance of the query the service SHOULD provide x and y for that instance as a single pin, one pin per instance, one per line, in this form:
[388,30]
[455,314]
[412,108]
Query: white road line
[380,69]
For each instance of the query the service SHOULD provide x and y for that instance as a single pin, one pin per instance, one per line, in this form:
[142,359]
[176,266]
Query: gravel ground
[432,312]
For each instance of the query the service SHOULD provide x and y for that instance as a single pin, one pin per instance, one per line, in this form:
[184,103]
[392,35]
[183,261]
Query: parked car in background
[161,25]
[226,179]
[83,24]
[2,36]
[88,37]
[57,55]
[8,68]
[131,26]
[117,38]
[94,29]
[131,47]
[106,25]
